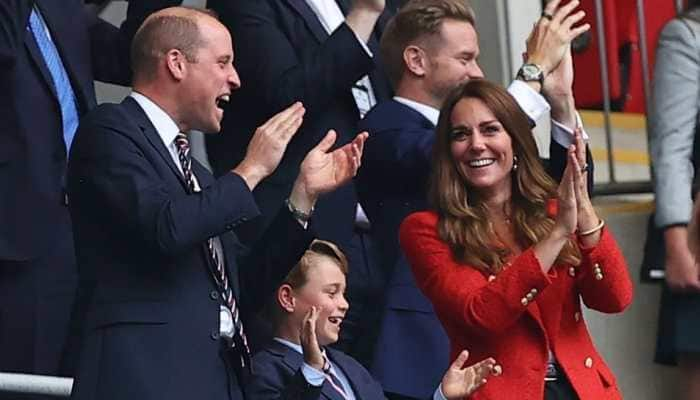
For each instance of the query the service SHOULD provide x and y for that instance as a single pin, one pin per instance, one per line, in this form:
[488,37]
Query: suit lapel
[61,26]
[152,136]
[38,58]
[310,18]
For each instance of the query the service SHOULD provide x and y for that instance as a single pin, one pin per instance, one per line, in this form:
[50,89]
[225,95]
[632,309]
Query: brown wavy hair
[463,219]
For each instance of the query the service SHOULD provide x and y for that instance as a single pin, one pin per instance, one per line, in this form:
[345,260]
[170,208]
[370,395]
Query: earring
[515,163]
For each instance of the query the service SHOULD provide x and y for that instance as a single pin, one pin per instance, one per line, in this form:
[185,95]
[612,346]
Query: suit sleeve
[271,259]
[673,121]
[603,279]
[266,57]
[14,16]
[461,293]
[107,167]
[110,46]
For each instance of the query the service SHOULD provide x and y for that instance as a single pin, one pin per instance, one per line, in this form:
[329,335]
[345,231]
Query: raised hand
[553,33]
[268,144]
[567,216]
[323,171]
[309,342]
[558,90]
[460,381]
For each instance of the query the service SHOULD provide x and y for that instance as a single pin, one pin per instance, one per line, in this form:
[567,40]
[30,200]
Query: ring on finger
[584,168]
[547,15]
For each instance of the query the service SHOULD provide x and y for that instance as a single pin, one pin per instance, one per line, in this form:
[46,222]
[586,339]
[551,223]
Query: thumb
[327,142]
[461,359]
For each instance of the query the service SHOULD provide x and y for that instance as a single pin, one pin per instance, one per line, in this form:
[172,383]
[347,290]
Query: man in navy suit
[307,312]
[171,290]
[50,52]
[428,48]
[323,53]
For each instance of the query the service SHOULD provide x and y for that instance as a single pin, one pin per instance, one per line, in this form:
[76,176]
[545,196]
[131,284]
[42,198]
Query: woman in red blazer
[505,270]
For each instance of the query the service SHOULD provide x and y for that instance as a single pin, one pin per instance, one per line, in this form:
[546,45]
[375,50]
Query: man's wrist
[251,175]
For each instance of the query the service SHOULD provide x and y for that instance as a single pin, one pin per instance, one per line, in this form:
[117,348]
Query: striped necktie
[64,90]
[239,338]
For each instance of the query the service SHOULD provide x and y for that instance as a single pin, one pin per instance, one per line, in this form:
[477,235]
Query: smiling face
[480,146]
[454,60]
[210,79]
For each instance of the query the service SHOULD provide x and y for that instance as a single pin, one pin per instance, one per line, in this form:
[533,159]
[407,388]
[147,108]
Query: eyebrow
[226,58]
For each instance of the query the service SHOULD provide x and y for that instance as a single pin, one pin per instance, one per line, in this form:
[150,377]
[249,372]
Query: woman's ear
[285,298]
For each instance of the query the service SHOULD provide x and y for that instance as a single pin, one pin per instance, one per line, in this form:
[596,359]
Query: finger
[580,146]
[327,142]
[572,19]
[287,127]
[484,368]
[551,7]
[577,31]
[458,363]
[564,11]
[360,140]
[578,180]
[282,115]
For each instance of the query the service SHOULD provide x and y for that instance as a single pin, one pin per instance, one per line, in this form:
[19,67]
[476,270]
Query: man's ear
[285,298]
[415,59]
[176,64]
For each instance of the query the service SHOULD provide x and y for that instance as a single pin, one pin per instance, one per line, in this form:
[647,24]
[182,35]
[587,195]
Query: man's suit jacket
[32,152]
[152,325]
[37,262]
[283,55]
[517,315]
[279,377]
[411,345]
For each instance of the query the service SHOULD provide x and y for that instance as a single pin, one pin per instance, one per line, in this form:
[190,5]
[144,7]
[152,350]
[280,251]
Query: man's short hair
[163,32]
[319,249]
[418,21]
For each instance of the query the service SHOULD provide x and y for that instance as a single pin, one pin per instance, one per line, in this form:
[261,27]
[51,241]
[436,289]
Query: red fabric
[488,318]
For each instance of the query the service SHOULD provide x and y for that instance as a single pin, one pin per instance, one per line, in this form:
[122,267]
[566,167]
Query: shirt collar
[432,114]
[165,126]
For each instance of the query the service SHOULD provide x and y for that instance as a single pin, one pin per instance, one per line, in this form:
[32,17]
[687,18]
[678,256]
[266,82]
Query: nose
[234,80]
[477,142]
[343,303]
[475,71]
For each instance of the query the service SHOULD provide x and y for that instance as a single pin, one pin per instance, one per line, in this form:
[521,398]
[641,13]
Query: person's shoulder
[420,220]
[346,361]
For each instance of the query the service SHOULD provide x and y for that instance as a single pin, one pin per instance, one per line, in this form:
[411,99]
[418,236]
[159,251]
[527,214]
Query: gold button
[533,291]
[577,316]
[597,270]
[596,265]
[529,297]
[524,301]
[492,278]
[598,276]
[588,363]
[572,271]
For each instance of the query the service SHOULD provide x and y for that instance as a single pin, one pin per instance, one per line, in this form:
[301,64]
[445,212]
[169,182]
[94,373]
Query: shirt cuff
[534,105]
[438,395]
[564,135]
[313,376]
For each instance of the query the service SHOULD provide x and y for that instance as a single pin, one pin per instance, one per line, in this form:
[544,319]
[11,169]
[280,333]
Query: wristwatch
[530,72]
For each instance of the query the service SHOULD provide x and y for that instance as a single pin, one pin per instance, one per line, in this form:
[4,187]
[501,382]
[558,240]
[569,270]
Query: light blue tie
[66,97]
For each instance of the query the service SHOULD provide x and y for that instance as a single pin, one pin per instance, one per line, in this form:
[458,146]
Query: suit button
[577,316]
[215,335]
[524,301]
[572,271]
[533,291]
[529,297]
[229,227]
[214,295]
[588,362]
[244,219]
[598,276]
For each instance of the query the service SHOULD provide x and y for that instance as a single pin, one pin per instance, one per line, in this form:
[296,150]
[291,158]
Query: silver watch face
[531,72]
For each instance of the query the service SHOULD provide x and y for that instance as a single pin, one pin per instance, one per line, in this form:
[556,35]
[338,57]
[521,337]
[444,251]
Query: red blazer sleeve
[478,304]
[603,277]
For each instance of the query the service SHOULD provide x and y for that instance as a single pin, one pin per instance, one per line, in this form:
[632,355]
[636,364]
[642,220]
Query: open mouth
[335,320]
[481,162]
[223,100]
